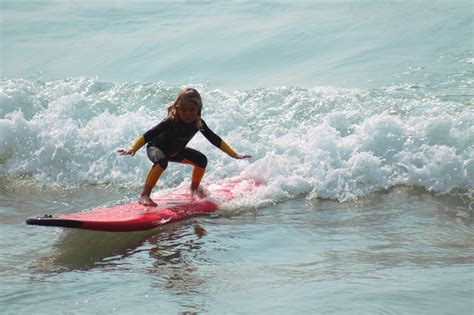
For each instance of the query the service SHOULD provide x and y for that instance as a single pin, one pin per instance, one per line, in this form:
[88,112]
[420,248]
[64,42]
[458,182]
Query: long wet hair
[190,95]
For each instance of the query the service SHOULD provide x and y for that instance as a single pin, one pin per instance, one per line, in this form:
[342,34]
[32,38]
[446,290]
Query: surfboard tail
[51,221]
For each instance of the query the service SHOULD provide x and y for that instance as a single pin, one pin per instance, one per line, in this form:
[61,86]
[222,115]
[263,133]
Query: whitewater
[359,116]
[324,142]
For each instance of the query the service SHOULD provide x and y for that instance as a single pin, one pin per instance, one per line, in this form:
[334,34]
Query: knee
[157,157]
[163,163]
[202,161]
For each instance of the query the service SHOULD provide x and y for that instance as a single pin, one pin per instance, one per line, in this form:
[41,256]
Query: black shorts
[157,156]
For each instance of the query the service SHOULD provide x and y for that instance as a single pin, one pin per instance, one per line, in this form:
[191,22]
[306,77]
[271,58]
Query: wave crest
[323,142]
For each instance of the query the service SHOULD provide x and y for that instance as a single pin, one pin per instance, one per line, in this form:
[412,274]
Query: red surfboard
[174,207]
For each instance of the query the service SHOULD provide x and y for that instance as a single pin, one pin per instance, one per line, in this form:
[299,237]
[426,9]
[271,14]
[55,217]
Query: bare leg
[199,191]
[194,186]
[145,198]
[198,173]
[150,182]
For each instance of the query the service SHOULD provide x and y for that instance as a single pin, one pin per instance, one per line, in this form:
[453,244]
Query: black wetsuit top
[172,136]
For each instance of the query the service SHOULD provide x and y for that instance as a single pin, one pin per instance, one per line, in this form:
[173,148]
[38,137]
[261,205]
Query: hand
[240,156]
[126,152]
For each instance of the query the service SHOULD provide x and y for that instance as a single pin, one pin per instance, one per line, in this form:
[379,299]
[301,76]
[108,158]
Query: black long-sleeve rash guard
[172,136]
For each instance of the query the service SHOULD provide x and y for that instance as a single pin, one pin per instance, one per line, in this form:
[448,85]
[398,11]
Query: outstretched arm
[150,134]
[227,149]
[140,142]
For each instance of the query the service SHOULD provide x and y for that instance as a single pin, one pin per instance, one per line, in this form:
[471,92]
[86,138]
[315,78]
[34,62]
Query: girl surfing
[167,142]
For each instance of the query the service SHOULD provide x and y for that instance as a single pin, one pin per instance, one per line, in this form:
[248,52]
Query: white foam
[321,142]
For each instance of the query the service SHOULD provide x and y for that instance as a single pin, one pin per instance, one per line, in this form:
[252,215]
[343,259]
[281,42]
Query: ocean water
[359,116]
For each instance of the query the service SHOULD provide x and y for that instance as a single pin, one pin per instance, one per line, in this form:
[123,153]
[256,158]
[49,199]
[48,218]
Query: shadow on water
[85,250]
[403,227]
[386,212]
[173,265]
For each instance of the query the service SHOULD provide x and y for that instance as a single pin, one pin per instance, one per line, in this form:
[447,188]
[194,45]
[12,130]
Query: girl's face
[187,111]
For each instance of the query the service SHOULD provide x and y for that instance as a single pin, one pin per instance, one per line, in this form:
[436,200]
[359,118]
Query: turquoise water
[359,115]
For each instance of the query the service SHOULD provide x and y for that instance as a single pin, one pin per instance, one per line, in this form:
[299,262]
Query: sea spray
[322,142]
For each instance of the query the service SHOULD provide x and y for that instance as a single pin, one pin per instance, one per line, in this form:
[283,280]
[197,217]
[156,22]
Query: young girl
[167,142]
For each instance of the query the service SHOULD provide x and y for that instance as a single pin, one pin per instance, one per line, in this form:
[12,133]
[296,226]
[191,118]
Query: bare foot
[201,192]
[146,201]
